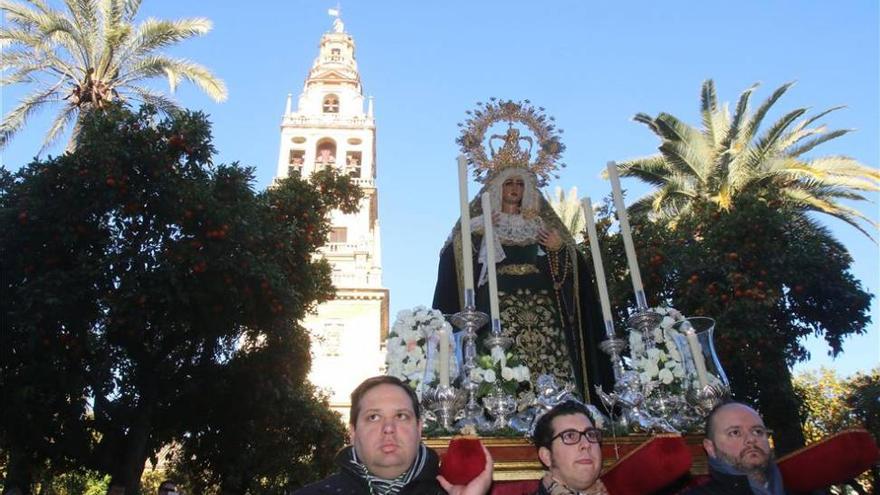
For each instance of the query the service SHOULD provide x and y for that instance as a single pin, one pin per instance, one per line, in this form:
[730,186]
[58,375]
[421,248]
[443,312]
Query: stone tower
[330,128]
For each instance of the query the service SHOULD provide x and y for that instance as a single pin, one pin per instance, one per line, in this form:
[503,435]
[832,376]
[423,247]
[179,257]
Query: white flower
[662,310]
[658,334]
[476,375]
[507,373]
[489,376]
[669,364]
[678,371]
[522,373]
[654,354]
[498,356]
[645,377]
[675,314]
[666,322]
[650,367]
[404,314]
[665,376]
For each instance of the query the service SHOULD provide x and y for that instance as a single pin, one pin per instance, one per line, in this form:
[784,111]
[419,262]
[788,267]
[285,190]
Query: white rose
[658,335]
[651,368]
[498,356]
[507,373]
[404,314]
[645,377]
[665,376]
[669,364]
[476,375]
[678,371]
[666,322]
[654,354]
[673,350]
[522,373]
[489,376]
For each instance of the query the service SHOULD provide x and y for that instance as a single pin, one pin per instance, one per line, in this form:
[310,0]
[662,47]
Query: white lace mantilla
[510,229]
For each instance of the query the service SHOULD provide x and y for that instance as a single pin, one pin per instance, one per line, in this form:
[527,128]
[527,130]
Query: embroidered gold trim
[518,270]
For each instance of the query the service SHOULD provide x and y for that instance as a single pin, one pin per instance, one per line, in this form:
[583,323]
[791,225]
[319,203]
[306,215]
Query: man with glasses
[568,444]
[740,458]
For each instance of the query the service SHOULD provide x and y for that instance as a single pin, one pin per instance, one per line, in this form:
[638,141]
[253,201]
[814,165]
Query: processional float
[668,382]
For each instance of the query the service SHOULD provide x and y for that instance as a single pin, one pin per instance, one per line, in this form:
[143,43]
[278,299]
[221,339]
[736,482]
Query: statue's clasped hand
[550,239]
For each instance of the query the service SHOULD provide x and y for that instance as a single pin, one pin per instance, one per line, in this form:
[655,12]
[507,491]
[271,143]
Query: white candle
[598,267]
[697,352]
[626,233]
[489,239]
[466,250]
[444,357]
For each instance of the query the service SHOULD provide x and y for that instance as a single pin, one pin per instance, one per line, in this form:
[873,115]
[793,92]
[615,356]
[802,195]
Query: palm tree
[728,158]
[91,55]
[568,207]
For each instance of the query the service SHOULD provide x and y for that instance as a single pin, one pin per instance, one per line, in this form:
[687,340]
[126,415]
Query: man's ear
[350,433]
[546,456]
[709,447]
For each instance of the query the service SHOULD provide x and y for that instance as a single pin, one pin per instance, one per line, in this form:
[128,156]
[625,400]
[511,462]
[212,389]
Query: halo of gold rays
[544,128]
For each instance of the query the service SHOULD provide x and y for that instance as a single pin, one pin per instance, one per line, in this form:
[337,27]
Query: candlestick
[466,249]
[444,356]
[626,234]
[489,239]
[598,266]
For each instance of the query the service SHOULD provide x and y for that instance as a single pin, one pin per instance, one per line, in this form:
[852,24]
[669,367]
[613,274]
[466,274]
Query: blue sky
[592,65]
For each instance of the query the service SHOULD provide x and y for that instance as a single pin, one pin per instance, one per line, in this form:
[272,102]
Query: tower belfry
[330,128]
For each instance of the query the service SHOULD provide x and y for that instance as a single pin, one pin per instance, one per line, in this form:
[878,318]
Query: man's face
[577,465]
[386,433]
[512,191]
[739,438]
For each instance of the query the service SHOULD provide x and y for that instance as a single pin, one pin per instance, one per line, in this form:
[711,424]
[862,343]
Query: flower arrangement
[502,369]
[659,366]
[412,347]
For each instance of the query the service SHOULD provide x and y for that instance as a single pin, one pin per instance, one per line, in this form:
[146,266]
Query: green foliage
[133,270]
[91,55]
[729,157]
[832,404]
[768,276]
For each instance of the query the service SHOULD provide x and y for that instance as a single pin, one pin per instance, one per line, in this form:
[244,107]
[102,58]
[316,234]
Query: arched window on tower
[331,104]
[325,154]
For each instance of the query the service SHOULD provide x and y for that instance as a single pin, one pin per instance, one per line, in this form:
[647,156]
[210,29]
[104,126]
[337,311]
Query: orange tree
[766,273]
[135,275]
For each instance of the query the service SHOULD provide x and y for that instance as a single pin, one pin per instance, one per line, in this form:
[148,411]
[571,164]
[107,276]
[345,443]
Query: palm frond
[160,101]
[14,120]
[131,9]
[174,70]
[60,123]
[651,169]
[758,116]
[768,143]
[849,215]
[646,119]
[153,34]
[809,145]
[708,109]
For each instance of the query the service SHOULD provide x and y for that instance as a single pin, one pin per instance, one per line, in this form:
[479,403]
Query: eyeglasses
[758,432]
[573,437]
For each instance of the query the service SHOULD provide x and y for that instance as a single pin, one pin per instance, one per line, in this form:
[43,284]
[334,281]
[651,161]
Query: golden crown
[511,153]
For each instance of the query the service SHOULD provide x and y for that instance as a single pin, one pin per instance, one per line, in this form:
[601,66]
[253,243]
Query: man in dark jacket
[740,458]
[387,456]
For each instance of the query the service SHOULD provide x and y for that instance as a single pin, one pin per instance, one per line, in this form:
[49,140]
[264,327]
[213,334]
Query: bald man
[741,461]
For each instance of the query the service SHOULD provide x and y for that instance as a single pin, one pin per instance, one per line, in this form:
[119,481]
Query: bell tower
[330,128]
